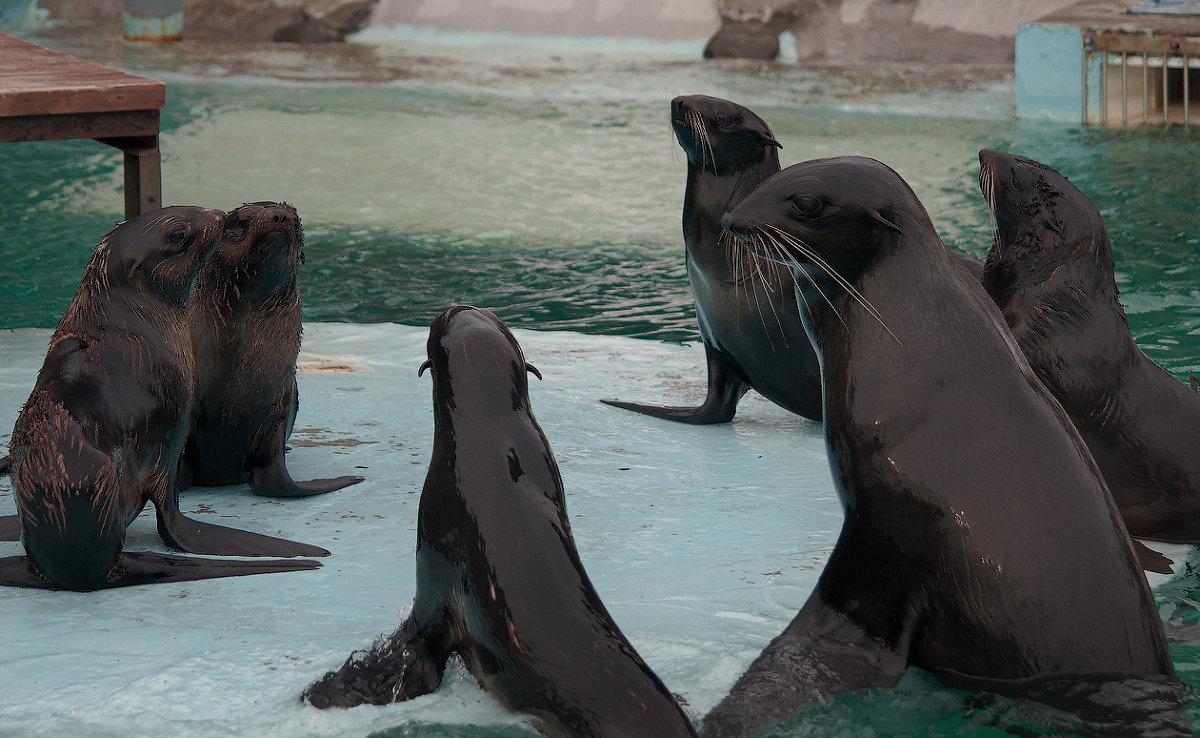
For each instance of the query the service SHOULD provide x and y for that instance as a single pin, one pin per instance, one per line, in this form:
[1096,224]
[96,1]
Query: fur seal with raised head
[1050,271]
[499,581]
[245,325]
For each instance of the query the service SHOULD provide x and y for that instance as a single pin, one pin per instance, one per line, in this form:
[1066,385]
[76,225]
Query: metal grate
[1140,79]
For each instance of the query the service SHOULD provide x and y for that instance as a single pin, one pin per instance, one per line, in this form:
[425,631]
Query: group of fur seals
[140,368]
[952,556]
[499,581]
[102,431]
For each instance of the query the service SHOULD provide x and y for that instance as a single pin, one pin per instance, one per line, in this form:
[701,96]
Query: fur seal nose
[281,215]
[729,226]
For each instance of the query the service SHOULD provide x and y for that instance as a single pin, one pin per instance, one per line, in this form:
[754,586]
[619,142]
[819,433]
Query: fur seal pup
[745,306]
[101,433]
[245,325]
[1050,270]
[499,581]
[979,541]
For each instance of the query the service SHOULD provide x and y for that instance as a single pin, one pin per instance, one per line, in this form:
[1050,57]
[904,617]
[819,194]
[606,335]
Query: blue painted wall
[1049,72]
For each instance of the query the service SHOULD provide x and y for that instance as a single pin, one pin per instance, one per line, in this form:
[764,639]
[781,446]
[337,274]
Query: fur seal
[745,306]
[101,433]
[1050,270]
[245,325]
[499,581]
[958,471]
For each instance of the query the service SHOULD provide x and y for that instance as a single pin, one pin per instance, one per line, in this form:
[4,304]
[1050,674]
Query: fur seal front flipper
[499,580]
[725,389]
[135,568]
[245,323]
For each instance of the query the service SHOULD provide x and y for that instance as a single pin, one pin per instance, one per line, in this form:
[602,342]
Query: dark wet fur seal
[499,581]
[745,306]
[1051,272]
[104,426]
[245,326]
[979,541]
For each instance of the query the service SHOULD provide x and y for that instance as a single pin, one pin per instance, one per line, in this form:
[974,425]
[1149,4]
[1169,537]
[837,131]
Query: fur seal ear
[879,220]
[769,140]
[424,366]
[533,370]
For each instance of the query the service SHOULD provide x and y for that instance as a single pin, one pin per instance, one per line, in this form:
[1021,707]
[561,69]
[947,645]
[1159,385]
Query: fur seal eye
[724,120]
[807,205]
[177,236]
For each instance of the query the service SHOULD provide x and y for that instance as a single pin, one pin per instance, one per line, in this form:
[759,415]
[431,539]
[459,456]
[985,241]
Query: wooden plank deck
[45,94]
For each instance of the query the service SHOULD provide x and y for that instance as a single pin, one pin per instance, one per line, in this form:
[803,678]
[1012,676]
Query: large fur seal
[245,326]
[1051,272]
[745,306]
[979,540]
[104,426]
[499,581]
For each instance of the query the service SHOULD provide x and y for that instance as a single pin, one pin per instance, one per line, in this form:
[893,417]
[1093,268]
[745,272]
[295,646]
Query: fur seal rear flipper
[135,568]
[244,318]
[499,580]
[103,429]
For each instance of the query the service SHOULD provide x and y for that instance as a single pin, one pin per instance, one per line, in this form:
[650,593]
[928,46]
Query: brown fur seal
[979,540]
[1051,272]
[245,326]
[104,426]
[499,581]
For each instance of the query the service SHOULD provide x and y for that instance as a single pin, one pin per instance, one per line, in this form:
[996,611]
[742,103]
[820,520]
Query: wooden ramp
[45,95]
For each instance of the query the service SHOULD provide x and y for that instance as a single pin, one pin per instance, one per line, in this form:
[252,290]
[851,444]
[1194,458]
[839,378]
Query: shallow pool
[540,181]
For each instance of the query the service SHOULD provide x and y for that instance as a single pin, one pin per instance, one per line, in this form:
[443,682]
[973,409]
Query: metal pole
[1166,96]
[1124,88]
[1145,88]
[1103,88]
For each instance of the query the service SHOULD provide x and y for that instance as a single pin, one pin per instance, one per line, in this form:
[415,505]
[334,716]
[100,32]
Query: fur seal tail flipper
[397,668]
[1150,559]
[10,528]
[192,536]
[822,652]
[725,388]
[153,568]
[273,480]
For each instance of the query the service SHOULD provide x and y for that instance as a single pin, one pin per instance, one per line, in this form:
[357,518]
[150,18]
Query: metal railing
[1140,78]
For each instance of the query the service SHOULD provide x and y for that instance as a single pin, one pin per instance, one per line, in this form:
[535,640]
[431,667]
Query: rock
[743,40]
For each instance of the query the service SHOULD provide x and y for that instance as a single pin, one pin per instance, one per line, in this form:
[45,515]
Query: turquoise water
[543,182]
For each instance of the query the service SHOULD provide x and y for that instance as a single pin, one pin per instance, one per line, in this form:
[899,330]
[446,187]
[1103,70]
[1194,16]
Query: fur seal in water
[101,433]
[745,306]
[1051,272]
[979,541]
[245,325]
[499,581]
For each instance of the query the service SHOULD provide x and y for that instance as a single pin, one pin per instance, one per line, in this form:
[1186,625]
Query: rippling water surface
[543,182]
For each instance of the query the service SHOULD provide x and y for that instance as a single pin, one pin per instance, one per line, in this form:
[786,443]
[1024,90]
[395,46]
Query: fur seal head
[704,125]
